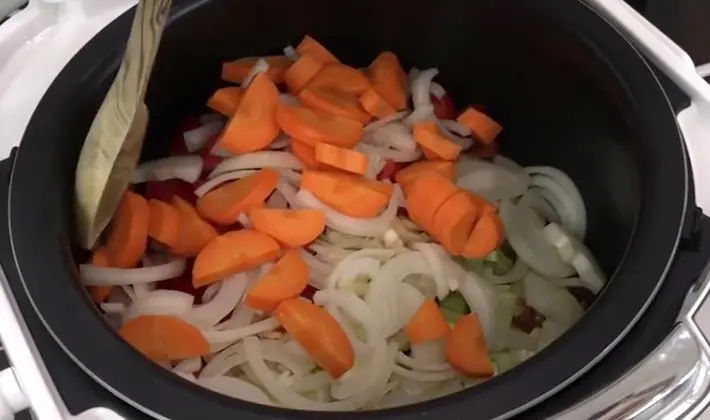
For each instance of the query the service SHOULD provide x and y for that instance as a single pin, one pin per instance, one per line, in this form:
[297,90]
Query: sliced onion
[424,376]
[93,275]
[524,233]
[188,168]
[479,298]
[113,307]
[389,153]
[362,261]
[421,114]
[516,273]
[234,334]
[393,135]
[492,181]
[218,180]
[421,87]
[384,121]
[243,219]
[291,53]
[420,365]
[554,303]
[261,66]
[235,388]
[197,139]
[578,255]
[280,142]
[571,193]
[224,302]
[258,160]
[160,302]
[287,99]
[533,199]
[435,256]
[456,128]
[461,140]
[572,216]
[319,270]
[191,365]
[409,300]
[375,226]
[311,382]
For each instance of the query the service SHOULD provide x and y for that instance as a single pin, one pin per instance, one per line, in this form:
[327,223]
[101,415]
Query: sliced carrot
[334,103]
[466,349]
[235,71]
[344,159]
[429,154]
[389,80]
[375,105]
[341,78]
[226,100]
[305,153]
[195,232]
[224,204]
[100,293]
[405,176]
[128,236]
[481,202]
[454,221]
[164,223]
[232,253]
[286,280]
[310,46]
[425,195]
[318,333]
[163,338]
[484,128]
[252,126]
[351,195]
[293,228]
[428,136]
[302,72]
[487,235]
[314,127]
[427,324]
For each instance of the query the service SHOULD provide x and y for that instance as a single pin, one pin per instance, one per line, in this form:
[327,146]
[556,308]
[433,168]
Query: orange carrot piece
[301,73]
[427,324]
[405,176]
[334,103]
[484,128]
[235,71]
[425,195]
[429,154]
[454,221]
[310,46]
[466,349]
[487,235]
[163,338]
[351,195]
[286,280]
[344,159]
[375,105]
[232,253]
[164,222]
[428,136]
[252,126]
[318,333]
[226,100]
[305,153]
[195,233]
[389,80]
[312,127]
[485,205]
[100,293]
[293,228]
[128,236]
[224,204]
[341,78]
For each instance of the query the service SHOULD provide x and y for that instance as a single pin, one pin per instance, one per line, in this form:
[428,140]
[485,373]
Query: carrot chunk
[286,280]
[428,136]
[344,159]
[164,338]
[164,222]
[253,126]
[235,71]
[484,128]
[340,78]
[128,235]
[310,46]
[293,228]
[305,153]
[226,100]
[466,349]
[301,73]
[351,195]
[427,324]
[405,176]
[334,103]
[389,80]
[487,235]
[375,105]
[224,204]
[232,253]
[312,127]
[194,233]
[425,195]
[100,293]
[318,333]
[454,221]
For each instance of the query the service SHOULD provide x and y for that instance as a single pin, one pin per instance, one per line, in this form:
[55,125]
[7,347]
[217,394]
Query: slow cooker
[590,87]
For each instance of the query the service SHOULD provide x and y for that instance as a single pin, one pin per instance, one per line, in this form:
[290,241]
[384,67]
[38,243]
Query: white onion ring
[393,135]
[455,127]
[234,334]
[421,366]
[261,66]
[188,168]
[479,297]
[235,388]
[421,87]
[258,160]
[190,365]
[346,266]
[424,376]
[226,299]
[564,197]
[287,99]
[280,142]
[93,275]
[384,121]
[578,255]
[492,181]
[197,138]
[435,256]
[533,199]
[160,302]
[516,273]
[461,140]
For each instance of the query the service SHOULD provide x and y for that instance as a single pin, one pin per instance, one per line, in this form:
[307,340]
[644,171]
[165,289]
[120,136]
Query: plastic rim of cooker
[672,382]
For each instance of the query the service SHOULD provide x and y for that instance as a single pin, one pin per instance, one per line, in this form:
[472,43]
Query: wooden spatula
[113,145]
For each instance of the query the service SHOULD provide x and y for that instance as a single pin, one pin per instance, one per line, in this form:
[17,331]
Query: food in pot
[334,238]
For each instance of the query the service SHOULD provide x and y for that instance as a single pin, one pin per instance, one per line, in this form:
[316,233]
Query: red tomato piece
[483,150]
[390,170]
[444,107]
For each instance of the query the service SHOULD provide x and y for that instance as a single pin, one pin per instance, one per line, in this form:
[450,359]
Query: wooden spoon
[113,145]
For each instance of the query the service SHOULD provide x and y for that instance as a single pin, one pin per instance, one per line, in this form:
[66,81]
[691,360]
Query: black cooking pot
[570,91]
